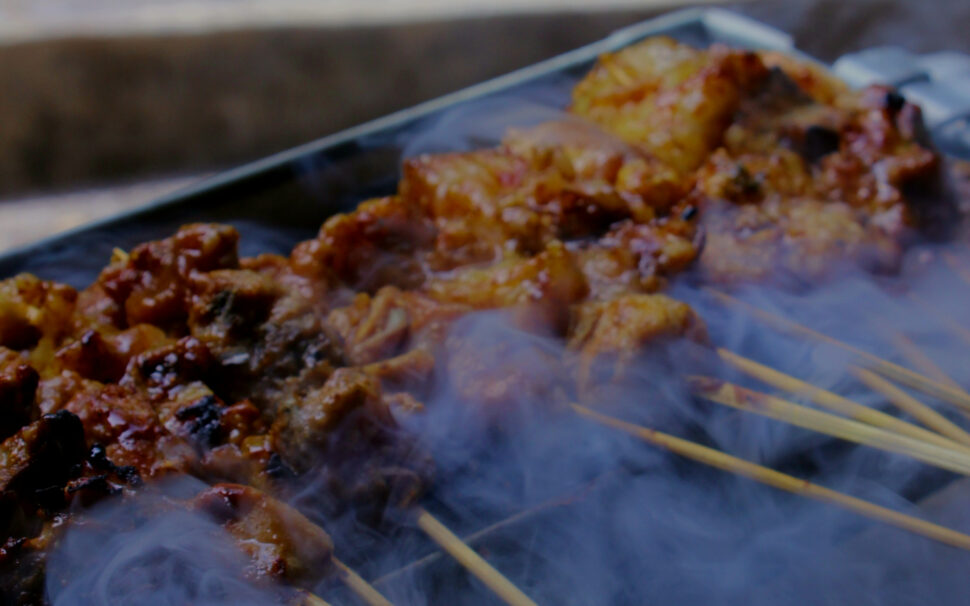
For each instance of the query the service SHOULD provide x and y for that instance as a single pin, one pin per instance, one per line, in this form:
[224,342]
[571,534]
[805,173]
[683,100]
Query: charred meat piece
[126,424]
[345,434]
[37,461]
[261,325]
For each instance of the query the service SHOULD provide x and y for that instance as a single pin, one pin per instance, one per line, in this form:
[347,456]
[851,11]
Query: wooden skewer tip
[894,371]
[474,563]
[776,408]
[364,590]
[770,477]
[834,401]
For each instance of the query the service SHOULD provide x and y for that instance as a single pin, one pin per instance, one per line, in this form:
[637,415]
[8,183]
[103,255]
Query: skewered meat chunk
[621,328]
[309,418]
[557,181]
[104,355]
[499,371]
[799,186]
[151,284]
[672,100]
[35,315]
[604,174]
[260,330]
[345,432]
[280,541]
[391,322]
[636,257]
[128,427]
[373,246]
[37,461]
[551,274]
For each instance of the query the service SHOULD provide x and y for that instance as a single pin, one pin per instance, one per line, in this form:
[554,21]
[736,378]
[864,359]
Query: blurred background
[107,104]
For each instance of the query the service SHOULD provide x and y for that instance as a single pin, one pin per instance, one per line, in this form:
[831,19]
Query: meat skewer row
[32,448]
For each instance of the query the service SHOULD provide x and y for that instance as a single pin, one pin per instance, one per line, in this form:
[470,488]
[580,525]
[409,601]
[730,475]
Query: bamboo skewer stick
[470,539]
[364,590]
[833,401]
[826,423]
[473,562]
[902,400]
[312,599]
[765,475]
[892,370]
[920,361]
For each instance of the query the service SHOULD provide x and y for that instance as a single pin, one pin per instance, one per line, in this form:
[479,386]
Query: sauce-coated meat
[525,273]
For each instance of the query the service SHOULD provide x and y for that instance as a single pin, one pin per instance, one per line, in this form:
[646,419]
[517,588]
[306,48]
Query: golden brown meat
[375,245]
[801,187]
[672,100]
[544,286]
[34,316]
[374,328]
[345,432]
[617,330]
[151,284]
